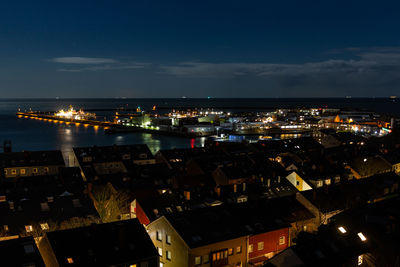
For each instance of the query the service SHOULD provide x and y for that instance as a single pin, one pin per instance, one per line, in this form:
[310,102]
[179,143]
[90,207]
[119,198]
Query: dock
[109,127]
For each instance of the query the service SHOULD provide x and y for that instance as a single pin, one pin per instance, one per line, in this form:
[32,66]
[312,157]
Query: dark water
[27,134]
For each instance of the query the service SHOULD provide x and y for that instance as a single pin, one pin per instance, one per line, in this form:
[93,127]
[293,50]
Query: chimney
[268,182]
[244,187]
[218,190]
[279,179]
[187,195]
[235,188]
[7,148]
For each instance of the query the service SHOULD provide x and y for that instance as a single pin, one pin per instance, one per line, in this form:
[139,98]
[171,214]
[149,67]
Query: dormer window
[35,170]
[126,156]
[44,226]
[50,199]
[87,159]
[28,228]
[44,206]
[70,260]
[77,203]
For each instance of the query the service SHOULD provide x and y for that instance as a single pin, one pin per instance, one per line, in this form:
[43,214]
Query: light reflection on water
[28,134]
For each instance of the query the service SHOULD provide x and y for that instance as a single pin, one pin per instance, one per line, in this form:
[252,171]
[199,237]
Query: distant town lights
[342,230]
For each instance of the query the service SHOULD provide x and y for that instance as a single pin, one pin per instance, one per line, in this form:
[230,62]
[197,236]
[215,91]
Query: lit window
[35,170]
[250,248]
[342,230]
[159,236]
[282,240]
[230,251]
[260,245]
[22,171]
[168,239]
[46,169]
[238,249]
[361,236]
[28,228]
[206,258]
[161,264]
[13,171]
[132,265]
[168,255]
[159,251]
[5,228]
[360,260]
[44,226]
[197,260]
[70,260]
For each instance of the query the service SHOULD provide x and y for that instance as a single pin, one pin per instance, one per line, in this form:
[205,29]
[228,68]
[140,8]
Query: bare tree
[109,203]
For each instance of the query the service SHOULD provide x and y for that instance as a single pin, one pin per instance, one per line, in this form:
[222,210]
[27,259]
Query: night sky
[199,48]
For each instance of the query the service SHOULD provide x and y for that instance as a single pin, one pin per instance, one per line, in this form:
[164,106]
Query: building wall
[219,177]
[310,225]
[298,182]
[137,212]
[233,260]
[177,247]
[144,161]
[109,167]
[31,171]
[271,243]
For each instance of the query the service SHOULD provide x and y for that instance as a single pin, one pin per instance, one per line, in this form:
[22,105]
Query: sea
[27,134]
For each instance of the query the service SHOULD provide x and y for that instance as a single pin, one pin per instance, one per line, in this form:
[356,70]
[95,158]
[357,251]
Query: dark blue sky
[199,48]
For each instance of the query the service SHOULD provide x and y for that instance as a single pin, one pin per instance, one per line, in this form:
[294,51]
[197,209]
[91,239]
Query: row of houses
[224,204]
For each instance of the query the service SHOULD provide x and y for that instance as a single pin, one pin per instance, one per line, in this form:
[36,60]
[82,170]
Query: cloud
[105,68]
[83,60]
[371,61]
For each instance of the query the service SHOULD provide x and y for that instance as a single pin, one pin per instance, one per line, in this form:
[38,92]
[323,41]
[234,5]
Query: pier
[108,126]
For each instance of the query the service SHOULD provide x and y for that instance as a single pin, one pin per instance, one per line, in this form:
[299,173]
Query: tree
[109,203]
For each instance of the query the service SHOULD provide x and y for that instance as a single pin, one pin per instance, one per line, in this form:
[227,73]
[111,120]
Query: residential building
[120,244]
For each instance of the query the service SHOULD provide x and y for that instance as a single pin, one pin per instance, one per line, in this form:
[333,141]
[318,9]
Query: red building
[264,246]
